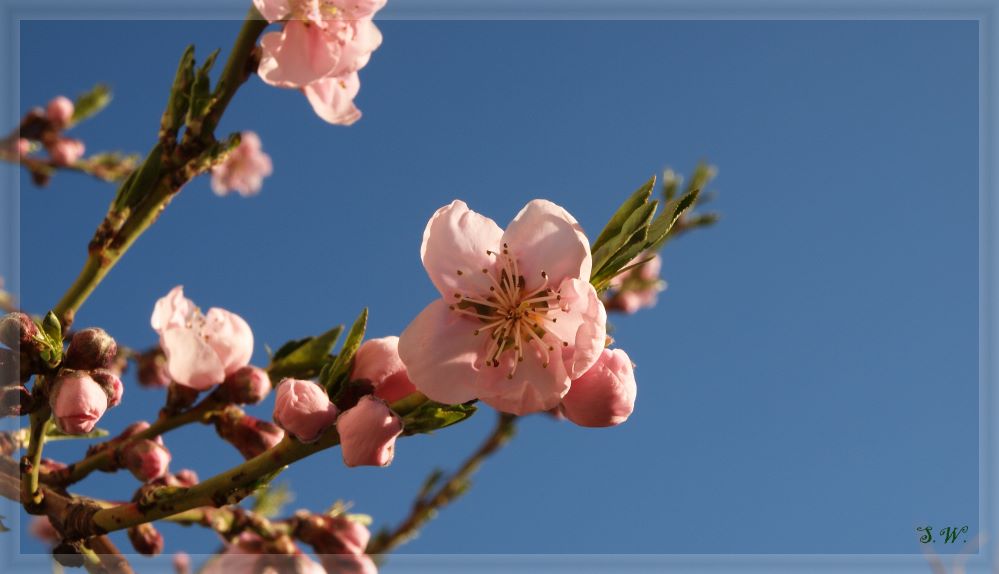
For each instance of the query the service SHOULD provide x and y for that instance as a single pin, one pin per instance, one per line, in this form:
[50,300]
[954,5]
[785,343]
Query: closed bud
[146,539]
[17,330]
[42,529]
[250,435]
[60,111]
[14,401]
[146,459]
[604,395]
[66,151]
[377,361]
[368,432]
[67,555]
[90,349]
[340,543]
[303,409]
[247,386]
[153,368]
[111,384]
[77,402]
[186,477]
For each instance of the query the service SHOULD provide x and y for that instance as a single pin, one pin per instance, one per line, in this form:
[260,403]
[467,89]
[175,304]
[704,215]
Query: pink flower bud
[244,169]
[78,402]
[368,432]
[60,111]
[348,563]
[303,409]
[153,368]
[605,395]
[334,534]
[247,386]
[13,401]
[186,477]
[90,349]
[179,397]
[250,435]
[21,147]
[66,151]
[377,361]
[146,459]
[146,539]
[182,563]
[42,529]
[111,384]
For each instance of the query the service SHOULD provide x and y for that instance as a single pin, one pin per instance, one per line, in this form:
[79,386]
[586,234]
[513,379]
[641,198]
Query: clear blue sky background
[808,383]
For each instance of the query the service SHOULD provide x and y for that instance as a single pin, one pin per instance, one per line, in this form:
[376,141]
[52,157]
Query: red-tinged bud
[111,384]
[340,543]
[605,395]
[153,368]
[17,330]
[14,401]
[146,539]
[48,466]
[66,151]
[180,397]
[90,349]
[60,111]
[67,555]
[247,386]
[250,436]
[303,409]
[146,459]
[368,432]
[77,402]
[186,477]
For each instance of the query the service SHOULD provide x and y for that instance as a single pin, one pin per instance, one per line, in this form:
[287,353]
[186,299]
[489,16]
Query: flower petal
[533,388]
[545,237]
[273,10]
[298,55]
[605,395]
[439,352]
[231,338]
[365,38]
[173,310]
[333,99]
[368,432]
[191,361]
[582,323]
[456,240]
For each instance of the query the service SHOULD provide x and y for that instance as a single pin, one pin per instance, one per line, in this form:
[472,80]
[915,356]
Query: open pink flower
[518,318]
[201,350]
[377,361]
[368,432]
[319,50]
[303,409]
[605,395]
[78,402]
[245,168]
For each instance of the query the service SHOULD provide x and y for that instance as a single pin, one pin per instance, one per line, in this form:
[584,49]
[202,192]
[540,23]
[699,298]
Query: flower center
[511,315]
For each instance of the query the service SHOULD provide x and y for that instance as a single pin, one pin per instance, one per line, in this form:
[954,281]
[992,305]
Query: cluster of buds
[87,384]
[340,541]
[46,126]
[147,458]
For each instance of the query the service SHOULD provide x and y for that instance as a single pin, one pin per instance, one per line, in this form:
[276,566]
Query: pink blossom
[244,169]
[201,350]
[245,556]
[319,50]
[518,318]
[42,529]
[340,542]
[303,409]
[377,361]
[60,111]
[247,386]
[637,288]
[605,395]
[66,151]
[78,402]
[368,432]
[146,459]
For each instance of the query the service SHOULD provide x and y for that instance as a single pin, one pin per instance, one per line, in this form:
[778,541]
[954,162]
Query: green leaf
[304,358]
[140,183]
[201,94]
[180,93]
[49,338]
[660,228]
[633,230]
[52,327]
[269,501]
[335,373]
[431,416]
[52,433]
[91,103]
[636,200]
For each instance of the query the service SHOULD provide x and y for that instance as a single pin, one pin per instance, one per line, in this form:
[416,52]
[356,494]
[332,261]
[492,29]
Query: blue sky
[807,384]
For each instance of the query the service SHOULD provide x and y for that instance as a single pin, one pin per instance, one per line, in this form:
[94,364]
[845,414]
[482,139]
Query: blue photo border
[985,12]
